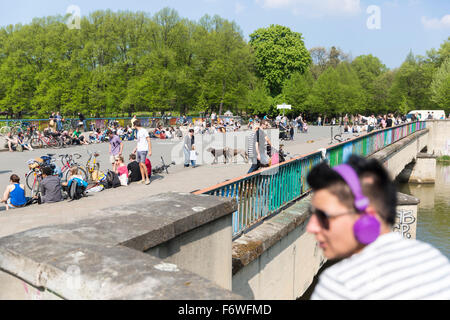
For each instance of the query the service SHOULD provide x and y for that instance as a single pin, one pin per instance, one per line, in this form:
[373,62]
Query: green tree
[412,81]
[440,87]
[296,90]
[278,52]
[368,69]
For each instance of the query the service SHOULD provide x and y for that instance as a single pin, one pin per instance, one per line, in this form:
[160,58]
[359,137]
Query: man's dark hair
[132,156]
[375,183]
[191,130]
[137,123]
[47,171]
[14,178]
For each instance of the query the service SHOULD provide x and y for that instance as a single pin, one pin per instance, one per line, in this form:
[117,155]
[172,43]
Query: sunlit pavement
[179,179]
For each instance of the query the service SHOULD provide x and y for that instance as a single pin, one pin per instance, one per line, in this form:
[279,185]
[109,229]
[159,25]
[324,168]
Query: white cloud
[315,7]
[239,8]
[436,23]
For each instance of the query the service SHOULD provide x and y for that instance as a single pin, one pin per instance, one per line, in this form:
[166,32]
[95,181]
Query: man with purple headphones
[353,210]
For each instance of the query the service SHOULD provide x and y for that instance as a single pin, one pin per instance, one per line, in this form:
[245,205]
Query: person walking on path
[257,149]
[115,148]
[142,150]
[188,146]
[353,209]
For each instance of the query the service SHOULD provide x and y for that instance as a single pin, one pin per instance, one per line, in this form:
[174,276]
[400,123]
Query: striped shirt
[391,268]
[251,145]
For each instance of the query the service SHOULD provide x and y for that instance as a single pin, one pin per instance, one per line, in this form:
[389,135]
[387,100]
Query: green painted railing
[265,192]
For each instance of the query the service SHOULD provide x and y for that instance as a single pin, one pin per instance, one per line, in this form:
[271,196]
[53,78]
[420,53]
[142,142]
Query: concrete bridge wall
[439,137]
[107,256]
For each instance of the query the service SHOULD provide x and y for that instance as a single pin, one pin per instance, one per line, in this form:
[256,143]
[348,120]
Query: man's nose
[313,225]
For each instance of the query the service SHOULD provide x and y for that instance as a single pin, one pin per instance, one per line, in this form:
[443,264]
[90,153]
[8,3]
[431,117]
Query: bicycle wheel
[33,183]
[30,179]
[55,143]
[4,130]
[36,143]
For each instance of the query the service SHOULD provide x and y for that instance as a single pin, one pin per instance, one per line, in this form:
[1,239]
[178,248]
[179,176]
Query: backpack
[76,190]
[112,180]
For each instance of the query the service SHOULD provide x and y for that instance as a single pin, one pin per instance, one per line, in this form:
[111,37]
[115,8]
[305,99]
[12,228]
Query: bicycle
[92,167]
[33,177]
[163,167]
[68,162]
[51,140]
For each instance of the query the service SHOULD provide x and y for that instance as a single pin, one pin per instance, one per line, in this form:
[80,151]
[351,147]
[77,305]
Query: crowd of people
[52,189]
[260,150]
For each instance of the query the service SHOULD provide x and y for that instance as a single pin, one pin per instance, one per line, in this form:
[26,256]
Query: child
[122,170]
[74,174]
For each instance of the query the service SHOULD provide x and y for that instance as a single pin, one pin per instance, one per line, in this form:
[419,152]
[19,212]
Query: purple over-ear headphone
[366,228]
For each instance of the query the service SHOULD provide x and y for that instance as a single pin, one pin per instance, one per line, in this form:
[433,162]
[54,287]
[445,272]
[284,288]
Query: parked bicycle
[51,140]
[33,177]
[92,166]
[163,167]
[15,127]
[68,162]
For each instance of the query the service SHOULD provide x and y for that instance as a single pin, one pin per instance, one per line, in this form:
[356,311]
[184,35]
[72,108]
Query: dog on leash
[228,154]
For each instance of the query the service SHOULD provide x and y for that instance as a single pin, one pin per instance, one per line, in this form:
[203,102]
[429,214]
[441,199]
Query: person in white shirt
[352,214]
[143,149]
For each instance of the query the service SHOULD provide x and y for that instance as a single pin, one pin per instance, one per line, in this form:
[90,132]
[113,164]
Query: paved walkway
[178,180]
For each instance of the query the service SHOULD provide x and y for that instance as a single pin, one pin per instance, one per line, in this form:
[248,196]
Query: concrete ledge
[422,155]
[252,244]
[406,200]
[86,260]
[385,153]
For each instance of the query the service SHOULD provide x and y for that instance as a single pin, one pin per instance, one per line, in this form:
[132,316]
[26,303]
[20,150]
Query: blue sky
[405,25]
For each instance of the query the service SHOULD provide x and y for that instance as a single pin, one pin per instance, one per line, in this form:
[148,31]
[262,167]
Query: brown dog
[228,154]
[233,153]
[216,153]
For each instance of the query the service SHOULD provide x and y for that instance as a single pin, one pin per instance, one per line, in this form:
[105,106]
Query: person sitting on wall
[21,141]
[134,171]
[11,142]
[14,196]
[50,187]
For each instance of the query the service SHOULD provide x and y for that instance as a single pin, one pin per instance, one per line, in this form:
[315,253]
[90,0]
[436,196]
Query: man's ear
[373,212]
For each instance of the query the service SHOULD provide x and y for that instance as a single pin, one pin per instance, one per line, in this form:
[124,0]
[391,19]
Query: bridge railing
[267,191]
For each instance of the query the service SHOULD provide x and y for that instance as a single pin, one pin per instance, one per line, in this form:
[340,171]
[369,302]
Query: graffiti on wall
[406,223]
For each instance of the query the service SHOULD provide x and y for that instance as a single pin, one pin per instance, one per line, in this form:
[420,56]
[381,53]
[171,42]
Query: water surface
[433,217]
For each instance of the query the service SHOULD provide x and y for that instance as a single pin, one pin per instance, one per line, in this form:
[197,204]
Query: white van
[423,114]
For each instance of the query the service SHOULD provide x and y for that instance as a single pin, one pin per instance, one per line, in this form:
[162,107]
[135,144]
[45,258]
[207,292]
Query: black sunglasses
[323,217]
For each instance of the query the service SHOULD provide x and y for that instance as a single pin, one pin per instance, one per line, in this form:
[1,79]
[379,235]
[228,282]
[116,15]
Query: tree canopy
[126,62]
[278,52]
